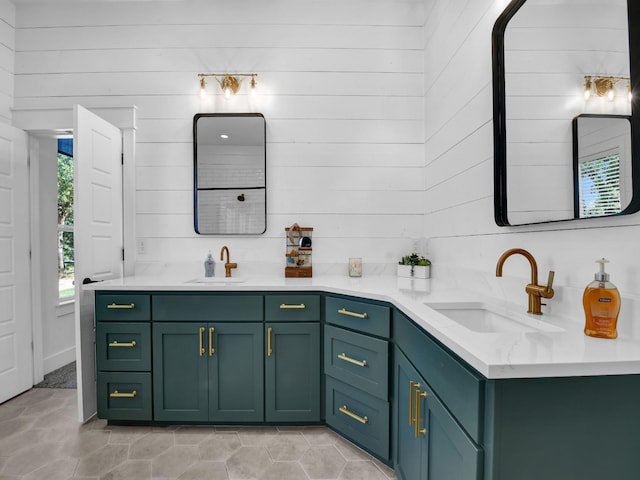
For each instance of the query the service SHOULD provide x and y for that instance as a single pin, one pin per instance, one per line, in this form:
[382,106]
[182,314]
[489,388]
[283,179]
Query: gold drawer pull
[124,344]
[212,350]
[117,394]
[127,306]
[269,346]
[300,306]
[352,314]
[419,431]
[412,385]
[360,363]
[355,416]
[200,341]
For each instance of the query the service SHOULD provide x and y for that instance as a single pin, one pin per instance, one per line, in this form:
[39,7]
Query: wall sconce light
[229,83]
[604,86]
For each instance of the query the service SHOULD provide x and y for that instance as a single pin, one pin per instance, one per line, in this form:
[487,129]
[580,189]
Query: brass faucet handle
[548,291]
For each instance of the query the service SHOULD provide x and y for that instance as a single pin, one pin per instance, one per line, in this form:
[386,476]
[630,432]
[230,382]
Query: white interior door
[16,357]
[98,239]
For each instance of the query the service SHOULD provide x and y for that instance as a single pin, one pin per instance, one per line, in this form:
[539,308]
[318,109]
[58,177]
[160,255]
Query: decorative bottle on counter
[209,266]
[601,301]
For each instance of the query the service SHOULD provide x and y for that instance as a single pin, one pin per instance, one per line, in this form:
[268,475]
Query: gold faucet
[228,265]
[535,291]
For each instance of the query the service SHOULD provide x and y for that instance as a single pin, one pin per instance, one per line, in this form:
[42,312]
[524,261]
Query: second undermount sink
[217,280]
[483,318]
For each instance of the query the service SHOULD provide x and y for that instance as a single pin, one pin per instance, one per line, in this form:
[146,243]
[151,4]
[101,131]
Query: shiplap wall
[340,85]
[459,169]
[7,55]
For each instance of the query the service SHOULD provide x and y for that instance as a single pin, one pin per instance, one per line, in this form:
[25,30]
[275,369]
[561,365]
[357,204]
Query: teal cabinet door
[407,450]
[180,383]
[236,372]
[292,372]
[429,443]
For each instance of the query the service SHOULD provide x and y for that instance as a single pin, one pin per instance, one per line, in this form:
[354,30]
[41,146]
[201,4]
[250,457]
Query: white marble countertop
[558,348]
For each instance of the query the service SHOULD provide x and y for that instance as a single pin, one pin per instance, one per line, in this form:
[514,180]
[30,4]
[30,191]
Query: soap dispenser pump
[601,301]
[209,266]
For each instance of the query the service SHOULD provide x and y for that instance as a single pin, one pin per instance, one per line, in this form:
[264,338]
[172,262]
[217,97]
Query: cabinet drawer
[358,360]
[459,388]
[292,308]
[359,416]
[357,315]
[207,307]
[123,307]
[124,395]
[123,346]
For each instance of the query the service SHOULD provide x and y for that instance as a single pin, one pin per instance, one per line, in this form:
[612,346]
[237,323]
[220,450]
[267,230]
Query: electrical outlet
[142,246]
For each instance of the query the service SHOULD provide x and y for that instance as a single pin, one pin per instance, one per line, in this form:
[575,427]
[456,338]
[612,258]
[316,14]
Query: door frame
[58,121]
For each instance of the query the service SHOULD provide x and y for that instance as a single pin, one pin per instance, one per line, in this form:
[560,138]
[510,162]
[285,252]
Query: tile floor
[41,439]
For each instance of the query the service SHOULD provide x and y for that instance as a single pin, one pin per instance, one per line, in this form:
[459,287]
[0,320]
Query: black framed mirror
[229,174]
[543,52]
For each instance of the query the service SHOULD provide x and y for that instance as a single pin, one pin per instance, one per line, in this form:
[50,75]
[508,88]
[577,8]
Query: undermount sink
[483,318]
[217,280]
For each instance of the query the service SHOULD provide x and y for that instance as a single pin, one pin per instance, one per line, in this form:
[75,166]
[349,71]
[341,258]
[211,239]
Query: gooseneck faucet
[228,265]
[536,292]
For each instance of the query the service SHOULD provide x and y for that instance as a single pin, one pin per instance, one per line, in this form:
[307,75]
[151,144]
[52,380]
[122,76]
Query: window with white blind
[599,184]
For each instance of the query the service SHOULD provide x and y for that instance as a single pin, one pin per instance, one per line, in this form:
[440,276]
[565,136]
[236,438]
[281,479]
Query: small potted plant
[414,265]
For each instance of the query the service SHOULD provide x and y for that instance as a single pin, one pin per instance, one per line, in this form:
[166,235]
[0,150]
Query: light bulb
[203,88]
[253,85]
[587,88]
[227,92]
[610,94]
[629,92]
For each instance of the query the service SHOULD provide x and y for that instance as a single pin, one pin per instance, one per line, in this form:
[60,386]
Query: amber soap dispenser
[601,302]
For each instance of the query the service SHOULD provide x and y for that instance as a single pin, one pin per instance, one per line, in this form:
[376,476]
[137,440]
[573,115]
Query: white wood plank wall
[459,169]
[7,58]
[340,85]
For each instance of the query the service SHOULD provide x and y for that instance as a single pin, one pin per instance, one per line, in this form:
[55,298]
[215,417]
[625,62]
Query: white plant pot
[418,271]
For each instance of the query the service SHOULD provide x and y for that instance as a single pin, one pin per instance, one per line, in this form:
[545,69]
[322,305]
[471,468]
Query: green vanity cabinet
[123,356]
[208,372]
[292,372]
[356,364]
[428,442]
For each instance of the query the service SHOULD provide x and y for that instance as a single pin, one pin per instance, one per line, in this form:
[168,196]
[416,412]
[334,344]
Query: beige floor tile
[175,461]
[284,471]
[219,447]
[59,469]
[361,470]
[322,461]
[102,460]
[130,470]
[206,470]
[41,438]
[151,445]
[288,446]
[248,463]
[31,458]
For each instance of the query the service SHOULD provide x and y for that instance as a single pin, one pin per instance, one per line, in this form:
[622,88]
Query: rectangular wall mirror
[229,168]
[546,56]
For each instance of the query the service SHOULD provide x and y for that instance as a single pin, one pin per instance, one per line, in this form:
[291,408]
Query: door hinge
[122,158]
[123,254]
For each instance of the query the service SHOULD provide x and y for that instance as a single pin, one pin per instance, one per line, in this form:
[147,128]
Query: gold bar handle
[117,394]
[355,416]
[299,306]
[127,306]
[419,431]
[269,349]
[211,349]
[344,311]
[200,339]
[124,344]
[412,385]
[360,363]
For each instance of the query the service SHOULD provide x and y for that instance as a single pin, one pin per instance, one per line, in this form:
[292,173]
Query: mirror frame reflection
[229,178]
[500,123]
